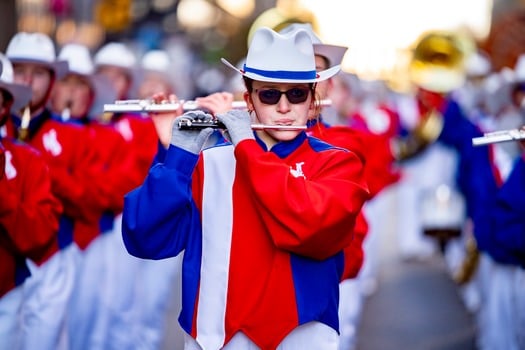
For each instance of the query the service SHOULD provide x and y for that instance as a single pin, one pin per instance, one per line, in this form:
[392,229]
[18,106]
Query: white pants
[501,326]
[9,318]
[312,336]
[108,312]
[85,300]
[519,295]
[46,300]
[351,301]
[157,282]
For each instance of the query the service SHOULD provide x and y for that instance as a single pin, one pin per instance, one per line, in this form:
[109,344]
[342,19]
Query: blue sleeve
[475,177]
[161,154]
[509,215]
[160,216]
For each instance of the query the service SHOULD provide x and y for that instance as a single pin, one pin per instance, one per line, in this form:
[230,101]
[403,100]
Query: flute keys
[188,124]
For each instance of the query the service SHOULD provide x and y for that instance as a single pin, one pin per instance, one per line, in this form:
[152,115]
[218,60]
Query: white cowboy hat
[283,58]
[78,58]
[333,53]
[156,61]
[35,48]
[21,93]
[81,63]
[116,55]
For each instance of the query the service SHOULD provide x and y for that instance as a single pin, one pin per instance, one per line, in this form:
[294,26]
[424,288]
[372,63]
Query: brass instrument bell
[438,62]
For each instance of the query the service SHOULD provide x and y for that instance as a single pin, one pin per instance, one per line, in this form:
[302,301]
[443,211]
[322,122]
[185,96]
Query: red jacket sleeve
[312,215]
[141,142]
[353,253]
[2,161]
[29,212]
[117,168]
[73,170]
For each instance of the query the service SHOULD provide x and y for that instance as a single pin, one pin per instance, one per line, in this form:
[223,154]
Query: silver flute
[188,124]
[499,136]
[147,106]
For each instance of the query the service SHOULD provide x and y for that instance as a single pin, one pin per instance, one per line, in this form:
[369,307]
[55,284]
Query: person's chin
[284,135]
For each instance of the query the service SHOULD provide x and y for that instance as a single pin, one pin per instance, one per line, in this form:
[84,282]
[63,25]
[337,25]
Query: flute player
[262,220]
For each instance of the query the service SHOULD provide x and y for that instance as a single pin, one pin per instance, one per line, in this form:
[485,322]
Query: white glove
[238,124]
[191,140]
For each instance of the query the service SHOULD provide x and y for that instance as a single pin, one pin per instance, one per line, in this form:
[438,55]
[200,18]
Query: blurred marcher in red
[29,212]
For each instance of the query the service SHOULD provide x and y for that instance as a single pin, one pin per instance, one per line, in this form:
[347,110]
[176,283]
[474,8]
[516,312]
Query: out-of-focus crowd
[67,281]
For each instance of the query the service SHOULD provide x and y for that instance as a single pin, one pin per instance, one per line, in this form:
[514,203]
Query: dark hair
[6,96]
[519,87]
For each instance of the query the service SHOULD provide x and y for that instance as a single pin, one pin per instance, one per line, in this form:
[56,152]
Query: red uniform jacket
[141,141]
[375,152]
[73,167]
[29,213]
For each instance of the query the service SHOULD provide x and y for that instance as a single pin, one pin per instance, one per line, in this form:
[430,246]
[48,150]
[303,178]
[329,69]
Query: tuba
[438,62]
[437,65]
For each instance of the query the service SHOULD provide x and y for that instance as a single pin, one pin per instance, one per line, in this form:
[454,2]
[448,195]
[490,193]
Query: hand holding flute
[216,104]
[164,118]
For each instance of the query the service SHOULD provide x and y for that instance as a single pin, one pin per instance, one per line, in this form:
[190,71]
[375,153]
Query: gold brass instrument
[469,264]
[499,136]
[424,134]
[23,130]
[437,65]
[438,62]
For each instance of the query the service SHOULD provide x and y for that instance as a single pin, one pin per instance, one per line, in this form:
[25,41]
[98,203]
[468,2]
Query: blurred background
[379,33]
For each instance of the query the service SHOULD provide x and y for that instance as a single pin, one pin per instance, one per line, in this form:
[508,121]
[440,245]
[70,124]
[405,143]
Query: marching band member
[118,64]
[500,234]
[155,67]
[78,92]
[29,212]
[377,156]
[296,196]
[70,160]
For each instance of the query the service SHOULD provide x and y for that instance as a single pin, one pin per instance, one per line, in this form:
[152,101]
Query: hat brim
[60,68]
[21,95]
[320,76]
[333,53]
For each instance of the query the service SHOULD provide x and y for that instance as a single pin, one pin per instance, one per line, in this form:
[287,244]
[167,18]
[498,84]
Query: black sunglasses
[272,96]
